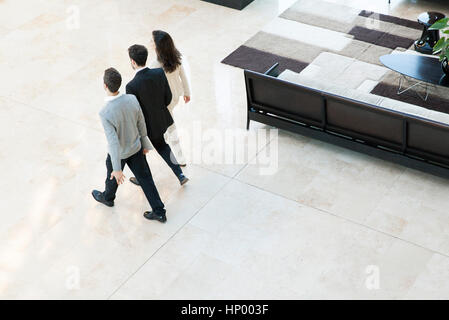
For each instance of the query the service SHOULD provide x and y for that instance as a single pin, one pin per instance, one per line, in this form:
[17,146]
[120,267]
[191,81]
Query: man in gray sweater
[126,133]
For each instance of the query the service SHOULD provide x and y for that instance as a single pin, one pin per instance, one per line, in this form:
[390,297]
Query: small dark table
[235,4]
[426,70]
[429,37]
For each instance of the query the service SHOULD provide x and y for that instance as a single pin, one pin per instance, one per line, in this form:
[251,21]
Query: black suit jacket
[152,90]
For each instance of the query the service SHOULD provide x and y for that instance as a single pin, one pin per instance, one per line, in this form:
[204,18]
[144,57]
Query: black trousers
[140,168]
[165,151]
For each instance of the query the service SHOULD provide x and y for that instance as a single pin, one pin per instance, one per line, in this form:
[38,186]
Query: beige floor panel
[316,227]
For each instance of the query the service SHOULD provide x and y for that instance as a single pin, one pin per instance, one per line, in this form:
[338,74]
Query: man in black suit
[151,88]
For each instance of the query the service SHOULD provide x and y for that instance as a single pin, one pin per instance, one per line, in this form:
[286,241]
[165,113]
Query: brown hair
[112,79]
[167,54]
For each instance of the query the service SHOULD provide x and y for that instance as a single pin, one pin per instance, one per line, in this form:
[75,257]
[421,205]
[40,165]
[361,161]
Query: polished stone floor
[329,223]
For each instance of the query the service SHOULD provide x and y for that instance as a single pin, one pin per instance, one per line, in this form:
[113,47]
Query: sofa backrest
[428,139]
[281,97]
[363,121]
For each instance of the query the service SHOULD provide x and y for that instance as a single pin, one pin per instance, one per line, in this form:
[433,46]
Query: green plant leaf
[440,24]
[444,53]
[439,45]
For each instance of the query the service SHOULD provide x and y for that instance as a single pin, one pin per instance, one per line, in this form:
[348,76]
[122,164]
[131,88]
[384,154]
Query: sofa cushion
[364,97]
[328,87]
[415,110]
[404,107]
[297,78]
[369,98]
[438,116]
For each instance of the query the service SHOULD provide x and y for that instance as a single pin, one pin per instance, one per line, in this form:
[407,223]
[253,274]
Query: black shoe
[134,180]
[182,165]
[150,215]
[183,179]
[99,196]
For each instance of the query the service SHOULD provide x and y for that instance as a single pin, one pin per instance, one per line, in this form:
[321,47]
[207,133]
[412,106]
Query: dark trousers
[139,167]
[165,151]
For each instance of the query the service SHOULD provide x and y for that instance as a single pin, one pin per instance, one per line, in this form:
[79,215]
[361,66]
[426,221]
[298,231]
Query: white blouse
[179,84]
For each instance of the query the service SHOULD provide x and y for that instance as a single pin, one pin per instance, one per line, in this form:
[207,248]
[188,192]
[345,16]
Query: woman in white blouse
[170,59]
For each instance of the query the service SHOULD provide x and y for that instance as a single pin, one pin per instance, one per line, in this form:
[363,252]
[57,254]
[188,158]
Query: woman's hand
[186,99]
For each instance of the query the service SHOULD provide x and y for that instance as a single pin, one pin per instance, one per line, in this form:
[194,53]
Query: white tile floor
[317,228]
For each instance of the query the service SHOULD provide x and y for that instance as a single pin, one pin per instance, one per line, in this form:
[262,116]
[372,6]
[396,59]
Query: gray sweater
[125,129]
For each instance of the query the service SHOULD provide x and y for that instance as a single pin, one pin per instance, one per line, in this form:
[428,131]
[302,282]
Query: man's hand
[119,176]
[145,151]
[186,99]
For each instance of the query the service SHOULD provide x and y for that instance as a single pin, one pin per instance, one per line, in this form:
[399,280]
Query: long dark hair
[167,54]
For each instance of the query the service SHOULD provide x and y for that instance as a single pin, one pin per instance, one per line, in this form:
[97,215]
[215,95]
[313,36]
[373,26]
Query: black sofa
[409,140]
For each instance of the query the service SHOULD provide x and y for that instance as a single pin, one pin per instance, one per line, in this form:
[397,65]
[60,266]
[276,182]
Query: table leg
[403,79]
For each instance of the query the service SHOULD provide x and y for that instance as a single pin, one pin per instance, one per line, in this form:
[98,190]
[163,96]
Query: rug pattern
[305,31]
